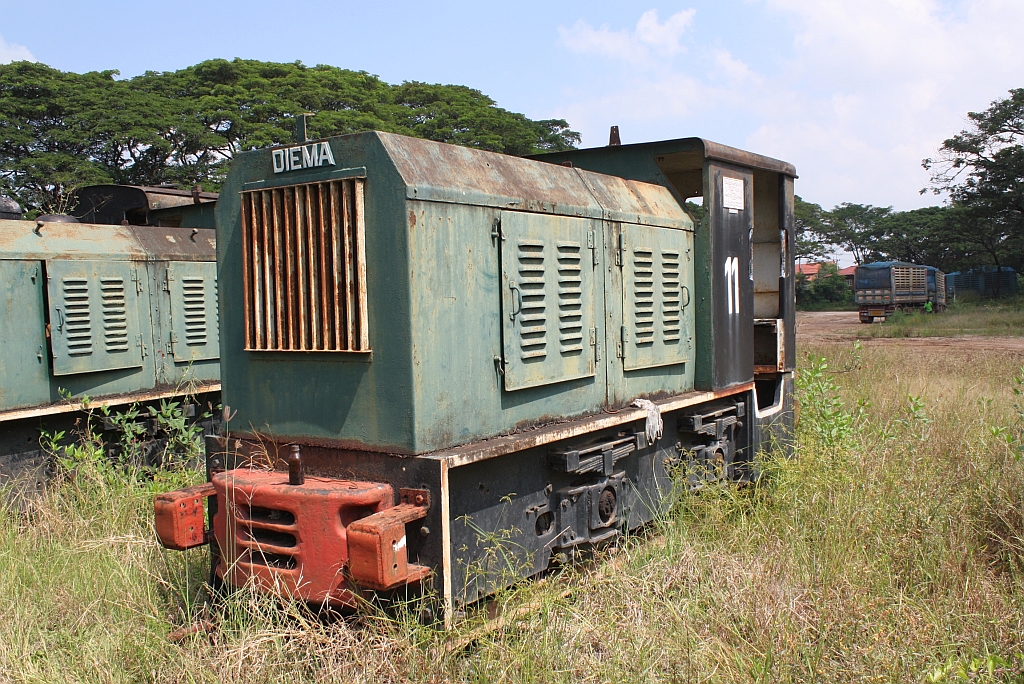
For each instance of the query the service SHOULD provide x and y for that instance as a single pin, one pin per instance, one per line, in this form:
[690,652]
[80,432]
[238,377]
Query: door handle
[686,298]
[60,319]
[518,301]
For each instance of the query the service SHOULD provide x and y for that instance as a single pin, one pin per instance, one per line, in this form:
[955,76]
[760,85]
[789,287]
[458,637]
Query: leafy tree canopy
[807,219]
[827,287]
[982,170]
[60,130]
[856,228]
[919,236]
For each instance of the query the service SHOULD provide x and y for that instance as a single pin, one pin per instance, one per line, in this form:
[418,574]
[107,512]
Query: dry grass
[888,549]
[968,316]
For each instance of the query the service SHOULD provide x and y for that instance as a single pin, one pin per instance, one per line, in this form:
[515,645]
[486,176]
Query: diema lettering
[303,157]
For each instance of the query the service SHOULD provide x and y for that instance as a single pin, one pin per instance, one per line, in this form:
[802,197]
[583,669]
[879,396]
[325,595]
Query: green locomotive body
[120,314]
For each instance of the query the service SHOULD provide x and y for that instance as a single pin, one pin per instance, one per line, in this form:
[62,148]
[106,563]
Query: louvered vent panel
[305,267]
[194,295]
[533,320]
[78,321]
[570,298]
[643,296]
[671,297]
[115,316]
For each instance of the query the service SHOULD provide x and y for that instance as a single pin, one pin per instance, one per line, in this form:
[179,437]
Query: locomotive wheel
[606,505]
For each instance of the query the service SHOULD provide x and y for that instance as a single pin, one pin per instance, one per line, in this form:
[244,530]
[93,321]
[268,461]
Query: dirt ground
[844,326]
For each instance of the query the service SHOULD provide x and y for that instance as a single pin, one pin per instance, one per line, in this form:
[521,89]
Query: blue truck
[884,287]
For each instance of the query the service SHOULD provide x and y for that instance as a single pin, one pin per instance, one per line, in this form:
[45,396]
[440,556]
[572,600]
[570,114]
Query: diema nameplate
[303,157]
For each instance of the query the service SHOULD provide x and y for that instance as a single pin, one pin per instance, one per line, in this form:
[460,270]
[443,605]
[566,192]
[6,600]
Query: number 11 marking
[732,284]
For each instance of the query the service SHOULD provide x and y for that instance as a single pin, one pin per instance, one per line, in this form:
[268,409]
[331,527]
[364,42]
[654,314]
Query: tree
[807,219]
[60,130]
[982,170]
[463,116]
[919,236]
[855,228]
[47,143]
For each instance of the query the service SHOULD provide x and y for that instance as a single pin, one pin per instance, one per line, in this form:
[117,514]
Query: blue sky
[854,92]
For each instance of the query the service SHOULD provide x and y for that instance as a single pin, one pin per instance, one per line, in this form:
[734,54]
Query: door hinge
[167,280]
[140,344]
[592,245]
[621,346]
[172,339]
[137,281]
[594,344]
[620,250]
[496,233]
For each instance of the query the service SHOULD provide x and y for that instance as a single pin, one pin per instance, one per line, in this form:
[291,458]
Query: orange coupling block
[378,548]
[181,517]
[320,540]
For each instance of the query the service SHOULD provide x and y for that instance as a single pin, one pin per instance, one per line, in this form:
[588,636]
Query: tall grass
[890,549]
[967,316]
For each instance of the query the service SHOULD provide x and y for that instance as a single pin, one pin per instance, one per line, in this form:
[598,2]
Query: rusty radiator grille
[305,267]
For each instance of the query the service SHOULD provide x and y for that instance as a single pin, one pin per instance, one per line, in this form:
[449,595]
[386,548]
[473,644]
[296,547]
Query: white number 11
[732,284]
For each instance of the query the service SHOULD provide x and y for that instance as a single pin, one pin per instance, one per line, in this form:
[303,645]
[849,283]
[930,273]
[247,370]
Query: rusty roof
[448,173]
[41,240]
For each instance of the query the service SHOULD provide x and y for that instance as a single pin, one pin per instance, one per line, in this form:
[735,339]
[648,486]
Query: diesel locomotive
[116,302]
[445,368]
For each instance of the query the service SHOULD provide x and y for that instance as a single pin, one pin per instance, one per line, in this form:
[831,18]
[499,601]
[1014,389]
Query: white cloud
[731,68]
[664,38]
[10,52]
[650,39]
[861,93]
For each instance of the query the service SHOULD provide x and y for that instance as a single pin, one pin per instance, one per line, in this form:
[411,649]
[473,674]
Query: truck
[884,287]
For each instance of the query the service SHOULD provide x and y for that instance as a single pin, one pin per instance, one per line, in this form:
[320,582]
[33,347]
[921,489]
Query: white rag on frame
[655,427]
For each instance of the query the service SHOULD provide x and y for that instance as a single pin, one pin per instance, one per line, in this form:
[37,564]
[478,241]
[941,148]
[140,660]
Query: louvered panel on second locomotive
[94,319]
[194,323]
